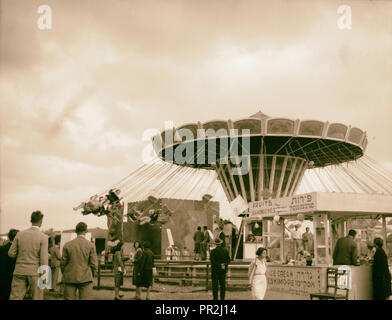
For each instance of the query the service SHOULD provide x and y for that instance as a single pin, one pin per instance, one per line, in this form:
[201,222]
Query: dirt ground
[158,292]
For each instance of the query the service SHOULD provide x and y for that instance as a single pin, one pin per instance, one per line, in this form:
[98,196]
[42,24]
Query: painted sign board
[287,205]
[297,282]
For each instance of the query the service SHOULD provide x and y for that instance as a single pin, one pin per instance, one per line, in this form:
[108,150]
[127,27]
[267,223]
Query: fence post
[167,271]
[207,271]
[99,276]
[192,274]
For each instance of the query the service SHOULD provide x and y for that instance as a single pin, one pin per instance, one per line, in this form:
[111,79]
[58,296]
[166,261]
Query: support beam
[290,177]
[225,183]
[296,178]
[239,239]
[272,176]
[282,174]
[282,243]
[261,178]
[241,181]
[384,232]
[125,211]
[297,182]
[252,186]
[232,180]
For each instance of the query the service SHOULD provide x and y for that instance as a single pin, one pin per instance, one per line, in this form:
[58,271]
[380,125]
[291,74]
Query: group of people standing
[28,267]
[202,241]
[345,253]
[27,258]
[143,266]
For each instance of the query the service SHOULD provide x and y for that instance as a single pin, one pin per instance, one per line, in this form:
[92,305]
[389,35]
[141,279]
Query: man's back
[148,259]
[55,257]
[79,261]
[198,236]
[219,256]
[345,252]
[30,248]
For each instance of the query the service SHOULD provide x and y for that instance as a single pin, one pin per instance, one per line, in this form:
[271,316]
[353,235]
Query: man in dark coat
[7,266]
[345,252]
[198,238]
[219,263]
[381,274]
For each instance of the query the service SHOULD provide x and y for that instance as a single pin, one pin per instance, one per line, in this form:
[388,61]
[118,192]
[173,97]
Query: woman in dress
[118,270]
[257,271]
[137,269]
[381,274]
[148,265]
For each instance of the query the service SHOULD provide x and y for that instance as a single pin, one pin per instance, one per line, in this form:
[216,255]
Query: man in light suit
[79,265]
[30,248]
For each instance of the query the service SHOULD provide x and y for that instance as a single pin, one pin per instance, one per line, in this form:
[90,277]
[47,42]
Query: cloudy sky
[76,99]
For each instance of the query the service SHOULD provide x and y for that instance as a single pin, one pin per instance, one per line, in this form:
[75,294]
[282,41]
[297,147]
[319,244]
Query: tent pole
[384,231]
[239,239]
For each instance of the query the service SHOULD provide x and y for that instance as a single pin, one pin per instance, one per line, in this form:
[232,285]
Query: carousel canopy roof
[323,143]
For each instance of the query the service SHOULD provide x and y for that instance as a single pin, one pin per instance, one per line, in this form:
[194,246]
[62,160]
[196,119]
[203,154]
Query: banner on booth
[287,205]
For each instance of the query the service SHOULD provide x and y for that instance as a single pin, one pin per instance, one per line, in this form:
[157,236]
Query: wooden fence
[186,273]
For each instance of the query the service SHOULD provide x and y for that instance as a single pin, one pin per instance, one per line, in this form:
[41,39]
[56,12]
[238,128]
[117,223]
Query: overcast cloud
[75,100]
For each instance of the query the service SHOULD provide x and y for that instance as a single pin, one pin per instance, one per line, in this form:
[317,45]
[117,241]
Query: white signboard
[281,206]
[239,205]
[170,237]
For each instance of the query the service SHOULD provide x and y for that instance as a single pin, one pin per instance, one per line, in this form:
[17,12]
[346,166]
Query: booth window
[255,231]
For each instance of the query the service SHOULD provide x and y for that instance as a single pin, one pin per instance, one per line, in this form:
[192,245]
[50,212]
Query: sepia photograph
[195,150]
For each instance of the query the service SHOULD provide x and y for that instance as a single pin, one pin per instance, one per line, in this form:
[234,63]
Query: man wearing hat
[219,262]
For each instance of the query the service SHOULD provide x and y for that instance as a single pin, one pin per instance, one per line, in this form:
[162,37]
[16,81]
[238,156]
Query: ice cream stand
[329,213]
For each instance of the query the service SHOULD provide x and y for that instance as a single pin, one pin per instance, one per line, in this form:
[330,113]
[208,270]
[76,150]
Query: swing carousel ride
[257,158]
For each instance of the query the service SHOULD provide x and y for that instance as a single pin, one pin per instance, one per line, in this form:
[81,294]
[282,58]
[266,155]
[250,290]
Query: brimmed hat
[218,241]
